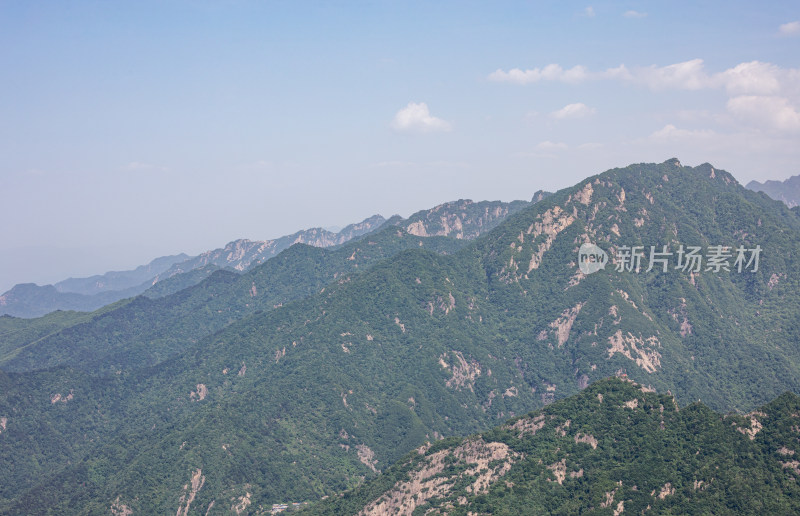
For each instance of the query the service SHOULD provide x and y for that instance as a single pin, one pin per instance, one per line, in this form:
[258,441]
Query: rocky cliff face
[242,254]
[462,219]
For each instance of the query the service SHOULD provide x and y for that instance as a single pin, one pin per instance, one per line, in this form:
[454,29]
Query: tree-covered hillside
[143,331]
[337,383]
[615,448]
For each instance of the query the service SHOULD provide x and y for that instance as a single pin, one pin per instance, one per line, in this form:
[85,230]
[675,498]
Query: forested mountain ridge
[614,448]
[142,331]
[152,329]
[309,398]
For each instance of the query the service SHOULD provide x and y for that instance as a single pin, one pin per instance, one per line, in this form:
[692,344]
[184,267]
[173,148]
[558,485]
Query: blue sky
[130,130]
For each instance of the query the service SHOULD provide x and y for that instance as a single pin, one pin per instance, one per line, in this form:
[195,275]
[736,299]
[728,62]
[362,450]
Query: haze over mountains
[86,294]
[321,367]
[461,218]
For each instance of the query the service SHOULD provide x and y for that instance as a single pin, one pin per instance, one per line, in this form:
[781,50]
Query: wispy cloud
[577,110]
[770,112]
[417,117]
[634,14]
[688,75]
[551,146]
[752,77]
[670,133]
[790,29]
[761,94]
[551,72]
[588,12]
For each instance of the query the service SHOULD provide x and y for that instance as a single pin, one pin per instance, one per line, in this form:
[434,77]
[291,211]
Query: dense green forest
[311,373]
[614,448]
[145,330]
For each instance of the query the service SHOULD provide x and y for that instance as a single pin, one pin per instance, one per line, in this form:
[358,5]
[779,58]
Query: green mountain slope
[338,385]
[615,448]
[198,302]
[144,331]
[703,335]
[17,333]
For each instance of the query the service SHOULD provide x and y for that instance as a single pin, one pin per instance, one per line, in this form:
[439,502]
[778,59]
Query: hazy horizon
[132,131]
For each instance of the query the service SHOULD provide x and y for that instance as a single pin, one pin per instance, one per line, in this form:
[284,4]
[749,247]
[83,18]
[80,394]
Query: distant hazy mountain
[87,294]
[242,254]
[31,300]
[83,294]
[119,280]
[149,330]
[463,219]
[787,191]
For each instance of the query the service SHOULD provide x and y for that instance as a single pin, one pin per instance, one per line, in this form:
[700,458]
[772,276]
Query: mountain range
[87,294]
[313,372]
[461,219]
[787,191]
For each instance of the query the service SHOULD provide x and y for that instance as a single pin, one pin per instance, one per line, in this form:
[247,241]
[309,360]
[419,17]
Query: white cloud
[753,77]
[551,72]
[759,94]
[790,29]
[417,117]
[620,73]
[770,111]
[634,14]
[588,12]
[670,133]
[551,146]
[688,75]
[578,110]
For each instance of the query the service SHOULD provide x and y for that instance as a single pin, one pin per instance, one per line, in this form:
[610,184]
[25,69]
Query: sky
[131,130]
